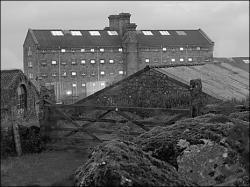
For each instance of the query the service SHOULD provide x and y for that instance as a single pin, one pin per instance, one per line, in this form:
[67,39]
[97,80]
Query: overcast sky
[225,22]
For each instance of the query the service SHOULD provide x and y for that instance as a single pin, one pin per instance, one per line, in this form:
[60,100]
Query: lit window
[190,59]
[164,49]
[93,84]
[120,49]
[57,33]
[120,72]
[181,48]
[53,74]
[30,64]
[82,50]
[92,50]
[83,84]
[246,61]
[73,73]
[69,92]
[64,74]
[102,50]
[164,32]
[111,61]
[73,62]
[102,72]
[147,32]
[83,74]
[53,62]
[111,73]
[94,33]
[102,84]
[173,60]
[63,50]
[31,76]
[44,75]
[181,33]
[181,59]
[102,61]
[92,61]
[74,84]
[112,33]
[198,48]
[63,63]
[76,33]
[83,61]
[147,60]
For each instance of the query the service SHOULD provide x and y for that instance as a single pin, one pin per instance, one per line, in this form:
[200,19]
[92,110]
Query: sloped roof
[45,39]
[221,80]
[239,62]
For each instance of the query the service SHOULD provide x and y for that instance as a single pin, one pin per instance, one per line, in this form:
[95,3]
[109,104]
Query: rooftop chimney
[119,22]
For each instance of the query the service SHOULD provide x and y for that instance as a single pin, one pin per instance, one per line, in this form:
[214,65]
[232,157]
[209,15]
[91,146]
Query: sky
[225,22]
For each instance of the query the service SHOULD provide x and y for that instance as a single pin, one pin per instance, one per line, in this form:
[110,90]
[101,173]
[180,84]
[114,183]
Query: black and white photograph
[124,93]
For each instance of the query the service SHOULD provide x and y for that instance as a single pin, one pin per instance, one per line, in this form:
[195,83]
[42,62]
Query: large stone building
[81,62]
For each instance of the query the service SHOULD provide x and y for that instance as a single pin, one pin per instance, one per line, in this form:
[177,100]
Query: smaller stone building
[19,97]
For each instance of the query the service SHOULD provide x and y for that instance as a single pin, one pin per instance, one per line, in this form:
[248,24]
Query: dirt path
[43,169]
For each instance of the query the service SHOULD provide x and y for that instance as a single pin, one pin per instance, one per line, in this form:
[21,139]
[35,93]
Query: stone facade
[131,55]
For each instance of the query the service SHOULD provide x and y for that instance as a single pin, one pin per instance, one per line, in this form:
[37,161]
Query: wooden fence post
[195,97]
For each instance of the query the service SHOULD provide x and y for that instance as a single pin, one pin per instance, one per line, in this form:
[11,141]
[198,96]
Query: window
[173,60]
[181,49]
[94,33]
[29,52]
[64,63]
[22,99]
[92,61]
[57,33]
[64,74]
[74,84]
[102,84]
[111,73]
[30,64]
[83,84]
[102,72]
[83,74]
[164,32]
[181,33]
[198,48]
[102,61]
[190,59]
[120,49]
[76,33]
[31,75]
[93,73]
[93,84]
[102,50]
[164,49]
[156,60]
[181,59]
[246,61]
[112,33]
[83,61]
[73,62]
[73,73]
[53,62]
[82,50]
[53,74]
[111,61]
[44,75]
[147,60]
[63,50]
[147,32]
[120,72]
[69,92]
[92,50]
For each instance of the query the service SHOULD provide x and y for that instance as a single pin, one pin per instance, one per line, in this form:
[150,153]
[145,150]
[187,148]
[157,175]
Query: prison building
[81,62]
[19,97]
[169,87]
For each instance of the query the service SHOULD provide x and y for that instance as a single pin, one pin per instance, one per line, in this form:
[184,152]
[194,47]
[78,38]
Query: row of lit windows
[79,33]
[74,73]
[91,50]
[149,33]
[172,60]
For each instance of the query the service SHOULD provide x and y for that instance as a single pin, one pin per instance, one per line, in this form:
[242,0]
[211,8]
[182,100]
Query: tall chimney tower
[119,22]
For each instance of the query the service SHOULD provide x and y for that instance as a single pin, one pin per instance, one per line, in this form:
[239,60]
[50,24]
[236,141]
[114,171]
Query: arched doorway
[22,100]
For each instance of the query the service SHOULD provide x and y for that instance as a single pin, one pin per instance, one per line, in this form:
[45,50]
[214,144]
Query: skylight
[76,33]
[57,33]
[181,33]
[164,32]
[147,32]
[112,33]
[94,33]
[246,61]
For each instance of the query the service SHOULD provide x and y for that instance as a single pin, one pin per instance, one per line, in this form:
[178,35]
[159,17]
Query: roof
[220,80]
[192,37]
[45,39]
[239,62]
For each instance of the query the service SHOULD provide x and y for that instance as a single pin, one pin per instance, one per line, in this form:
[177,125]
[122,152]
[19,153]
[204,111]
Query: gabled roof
[239,62]
[45,39]
[191,38]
